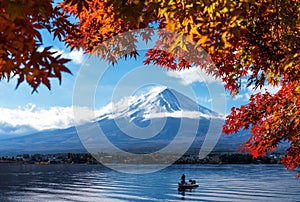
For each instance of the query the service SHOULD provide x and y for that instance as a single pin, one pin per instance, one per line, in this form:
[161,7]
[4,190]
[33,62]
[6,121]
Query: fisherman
[182,179]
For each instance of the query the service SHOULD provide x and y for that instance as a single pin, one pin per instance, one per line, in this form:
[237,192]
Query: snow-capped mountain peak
[158,102]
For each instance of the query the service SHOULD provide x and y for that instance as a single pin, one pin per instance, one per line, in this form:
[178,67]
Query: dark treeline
[86,158]
[232,158]
[60,158]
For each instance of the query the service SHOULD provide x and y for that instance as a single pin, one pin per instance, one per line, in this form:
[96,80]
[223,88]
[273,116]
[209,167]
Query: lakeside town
[87,158]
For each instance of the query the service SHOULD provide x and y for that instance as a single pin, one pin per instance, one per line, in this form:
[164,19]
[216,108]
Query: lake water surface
[97,183]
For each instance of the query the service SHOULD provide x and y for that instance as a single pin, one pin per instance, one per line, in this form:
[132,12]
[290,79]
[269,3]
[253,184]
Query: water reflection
[182,193]
[97,183]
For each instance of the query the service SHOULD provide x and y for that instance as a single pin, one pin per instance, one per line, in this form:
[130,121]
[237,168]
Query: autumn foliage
[21,51]
[271,119]
[254,40]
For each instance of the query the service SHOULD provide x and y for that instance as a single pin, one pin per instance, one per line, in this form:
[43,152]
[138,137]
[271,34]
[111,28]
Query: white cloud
[31,118]
[267,88]
[76,56]
[239,96]
[246,92]
[181,114]
[191,75]
[28,118]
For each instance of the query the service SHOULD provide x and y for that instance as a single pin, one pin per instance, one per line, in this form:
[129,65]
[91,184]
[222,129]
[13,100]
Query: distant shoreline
[86,158]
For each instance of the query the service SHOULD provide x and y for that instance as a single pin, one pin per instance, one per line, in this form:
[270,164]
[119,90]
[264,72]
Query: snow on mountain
[173,114]
[159,102]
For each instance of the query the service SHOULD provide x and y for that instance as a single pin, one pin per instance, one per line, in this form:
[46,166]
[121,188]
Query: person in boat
[182,179]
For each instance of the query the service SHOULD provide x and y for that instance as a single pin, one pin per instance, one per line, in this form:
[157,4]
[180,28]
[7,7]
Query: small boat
[191,185]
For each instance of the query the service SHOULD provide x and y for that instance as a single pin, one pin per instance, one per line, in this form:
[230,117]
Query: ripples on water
[97,183]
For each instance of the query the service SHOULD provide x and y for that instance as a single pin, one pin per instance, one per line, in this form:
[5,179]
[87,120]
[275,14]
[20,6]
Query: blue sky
[22,112]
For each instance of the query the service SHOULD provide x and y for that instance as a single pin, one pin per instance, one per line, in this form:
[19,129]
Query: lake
[97,183]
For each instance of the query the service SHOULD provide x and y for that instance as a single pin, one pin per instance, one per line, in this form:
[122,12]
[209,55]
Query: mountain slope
[158,102]
[158,113]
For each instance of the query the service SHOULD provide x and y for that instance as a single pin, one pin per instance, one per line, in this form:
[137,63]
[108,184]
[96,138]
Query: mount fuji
[145,123]
[159,102]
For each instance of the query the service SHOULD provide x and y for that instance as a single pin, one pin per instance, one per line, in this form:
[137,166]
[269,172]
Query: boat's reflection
[182,192]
